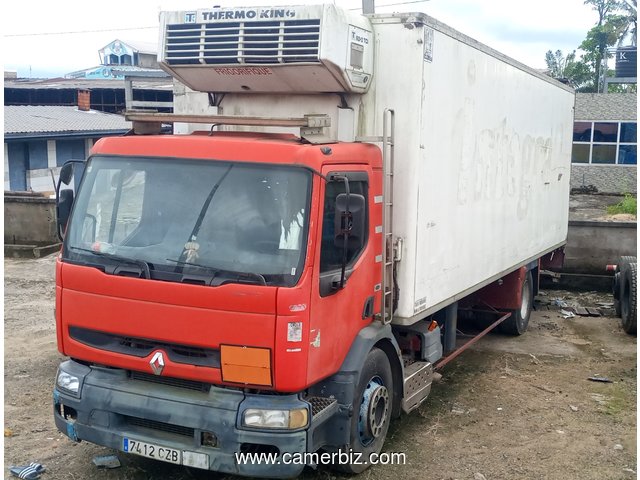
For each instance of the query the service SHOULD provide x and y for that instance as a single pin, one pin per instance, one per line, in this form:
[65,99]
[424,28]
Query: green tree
[617,21]
[629,10]
[569,68]
[606,33]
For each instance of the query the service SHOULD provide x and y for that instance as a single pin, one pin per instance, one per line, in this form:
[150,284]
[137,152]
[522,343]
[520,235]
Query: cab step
[322,407]
[418,377]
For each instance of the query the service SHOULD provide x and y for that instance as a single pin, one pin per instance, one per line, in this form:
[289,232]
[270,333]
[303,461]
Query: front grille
[141,347]
[161,426]
[171,381]
[243,43]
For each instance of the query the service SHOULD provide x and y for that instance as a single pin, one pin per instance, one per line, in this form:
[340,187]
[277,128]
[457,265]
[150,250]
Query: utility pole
[368,7]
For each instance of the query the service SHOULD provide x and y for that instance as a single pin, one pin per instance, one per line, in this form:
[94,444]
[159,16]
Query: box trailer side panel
[482,174]
[482,154]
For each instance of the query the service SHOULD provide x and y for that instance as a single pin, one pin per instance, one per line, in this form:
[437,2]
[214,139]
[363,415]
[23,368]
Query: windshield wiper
[205,206]
[145,267]
[214,271]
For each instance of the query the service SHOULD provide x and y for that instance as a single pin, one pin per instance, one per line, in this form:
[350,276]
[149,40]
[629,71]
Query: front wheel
[371,410]
[518,322]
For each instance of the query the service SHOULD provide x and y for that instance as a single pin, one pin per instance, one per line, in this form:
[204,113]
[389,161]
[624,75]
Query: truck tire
[622,261]
[372,406]
[518,322]
[628,297]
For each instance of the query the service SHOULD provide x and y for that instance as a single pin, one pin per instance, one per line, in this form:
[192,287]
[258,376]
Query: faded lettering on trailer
[243,71]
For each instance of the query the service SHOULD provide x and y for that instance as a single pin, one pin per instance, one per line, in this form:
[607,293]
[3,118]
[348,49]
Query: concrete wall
[29,220]
[593,245]
[606,178]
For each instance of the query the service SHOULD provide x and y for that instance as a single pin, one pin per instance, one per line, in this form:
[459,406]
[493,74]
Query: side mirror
[66,173]
[351,223]
[63,211]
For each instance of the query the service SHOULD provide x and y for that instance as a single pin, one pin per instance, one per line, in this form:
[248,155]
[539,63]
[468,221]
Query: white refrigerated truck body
[482,143]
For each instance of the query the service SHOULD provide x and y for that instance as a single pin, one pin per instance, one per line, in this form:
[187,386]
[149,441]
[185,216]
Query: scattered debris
[544,388]
[28,472]
[584,189]
[628,470]
[567,314]
[106,461]
[8,432]
[534,359]
[479,476]
[458,410]
[499,409]
[573,408]
[437,377]
[558,302]
[561,432]
[617,446]
[600,379]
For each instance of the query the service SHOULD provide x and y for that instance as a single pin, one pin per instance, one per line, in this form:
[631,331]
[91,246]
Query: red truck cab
[202,274]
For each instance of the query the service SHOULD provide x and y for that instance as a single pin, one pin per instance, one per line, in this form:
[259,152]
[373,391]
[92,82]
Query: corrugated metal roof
[606,106]
[30,119]
[83,83]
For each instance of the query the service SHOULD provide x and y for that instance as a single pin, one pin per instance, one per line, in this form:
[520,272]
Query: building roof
[85,84]
[138,46]
[46,120]
[606,106]
[108,72]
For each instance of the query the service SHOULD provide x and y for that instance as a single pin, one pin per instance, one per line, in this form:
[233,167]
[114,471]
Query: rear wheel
[628,297]
[371,410]
[518,322]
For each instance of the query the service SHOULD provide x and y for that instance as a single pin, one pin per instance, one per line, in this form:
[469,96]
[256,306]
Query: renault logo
[157,363]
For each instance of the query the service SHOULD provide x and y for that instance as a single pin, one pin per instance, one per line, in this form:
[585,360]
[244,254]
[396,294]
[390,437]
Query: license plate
[151,450]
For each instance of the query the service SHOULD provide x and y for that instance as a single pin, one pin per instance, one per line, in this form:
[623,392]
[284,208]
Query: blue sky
[523,30]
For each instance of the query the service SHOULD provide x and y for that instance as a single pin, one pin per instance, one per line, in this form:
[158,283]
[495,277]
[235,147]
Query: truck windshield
[175,220]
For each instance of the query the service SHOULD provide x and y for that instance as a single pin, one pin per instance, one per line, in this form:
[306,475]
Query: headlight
[68,382]
[261,418]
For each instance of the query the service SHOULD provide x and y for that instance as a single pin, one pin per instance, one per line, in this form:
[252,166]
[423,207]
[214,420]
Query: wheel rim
[374,411]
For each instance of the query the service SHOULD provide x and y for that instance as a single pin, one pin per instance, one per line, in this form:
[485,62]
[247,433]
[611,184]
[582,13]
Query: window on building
[608,143]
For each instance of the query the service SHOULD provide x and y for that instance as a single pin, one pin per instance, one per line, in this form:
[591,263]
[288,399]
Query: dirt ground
[511,408]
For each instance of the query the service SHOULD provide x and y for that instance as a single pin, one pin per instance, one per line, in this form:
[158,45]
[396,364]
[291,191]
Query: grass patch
[627,205]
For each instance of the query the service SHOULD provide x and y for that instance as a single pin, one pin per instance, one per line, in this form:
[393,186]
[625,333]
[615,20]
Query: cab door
[339,313]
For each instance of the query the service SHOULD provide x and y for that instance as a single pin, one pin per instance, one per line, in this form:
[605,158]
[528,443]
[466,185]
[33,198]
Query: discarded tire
[628,297]
[622,261]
